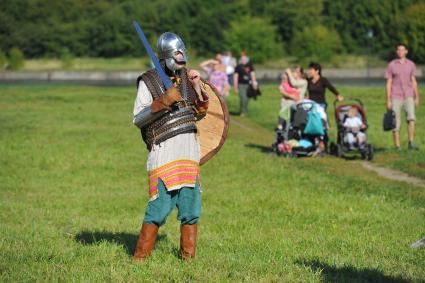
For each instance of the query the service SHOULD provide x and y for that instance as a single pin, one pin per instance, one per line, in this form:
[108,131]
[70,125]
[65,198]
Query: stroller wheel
[275,149]
[338,150]
[364,152]
[370,152]
[332,149]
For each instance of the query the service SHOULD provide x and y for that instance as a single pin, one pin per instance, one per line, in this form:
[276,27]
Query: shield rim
[213,152]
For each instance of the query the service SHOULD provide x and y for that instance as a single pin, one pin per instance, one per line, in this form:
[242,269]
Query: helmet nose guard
[168,45]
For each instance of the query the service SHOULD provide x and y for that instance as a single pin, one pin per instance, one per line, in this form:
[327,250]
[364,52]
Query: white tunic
[181,147]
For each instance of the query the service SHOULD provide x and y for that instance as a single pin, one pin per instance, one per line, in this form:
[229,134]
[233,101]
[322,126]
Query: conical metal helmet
[168,44]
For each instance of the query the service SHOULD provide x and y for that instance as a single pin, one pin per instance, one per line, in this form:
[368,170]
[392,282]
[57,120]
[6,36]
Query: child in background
[217,75]
[353,124]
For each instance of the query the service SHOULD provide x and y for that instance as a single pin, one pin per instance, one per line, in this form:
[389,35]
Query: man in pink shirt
[402,92]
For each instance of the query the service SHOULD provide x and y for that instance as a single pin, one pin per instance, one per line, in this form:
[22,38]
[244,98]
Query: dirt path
[394,175]
[234,121]
[387,173]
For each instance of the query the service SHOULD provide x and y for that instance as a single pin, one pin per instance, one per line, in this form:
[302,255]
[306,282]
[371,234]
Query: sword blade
[418,243]
[151,54]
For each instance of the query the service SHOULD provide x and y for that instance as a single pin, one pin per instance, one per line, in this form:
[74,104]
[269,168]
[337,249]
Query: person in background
[230,62]
[316,90]
[287,88]
[244,76]
[402,92]
[317,85]
[216,72]
[296,80]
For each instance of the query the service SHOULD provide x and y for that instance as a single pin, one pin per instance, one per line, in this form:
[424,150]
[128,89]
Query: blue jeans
[187,200]
[230,79]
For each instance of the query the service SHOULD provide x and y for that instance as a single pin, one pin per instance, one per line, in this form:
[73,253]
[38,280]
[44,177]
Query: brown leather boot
[188,240]
[146,241]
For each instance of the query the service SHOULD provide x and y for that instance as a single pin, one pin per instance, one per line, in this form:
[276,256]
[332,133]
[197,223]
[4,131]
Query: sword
[162,75]
[418,243]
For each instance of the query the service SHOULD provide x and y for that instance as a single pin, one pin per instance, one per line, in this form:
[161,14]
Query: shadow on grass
[355,154]
[331,273]
[352,156]
[234,113]
[382,149]
[126,239]
[262,148]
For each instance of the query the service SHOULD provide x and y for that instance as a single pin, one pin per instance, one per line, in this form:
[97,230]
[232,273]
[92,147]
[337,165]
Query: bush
[257,36]
[3,60]
[316,43]
[16,59]
[67,59]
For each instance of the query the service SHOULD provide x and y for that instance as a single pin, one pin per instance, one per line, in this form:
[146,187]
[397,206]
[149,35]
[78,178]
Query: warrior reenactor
[167,120]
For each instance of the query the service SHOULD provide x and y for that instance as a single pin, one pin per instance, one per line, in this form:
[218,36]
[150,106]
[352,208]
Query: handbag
[314,124]
[389,122]
[252,92]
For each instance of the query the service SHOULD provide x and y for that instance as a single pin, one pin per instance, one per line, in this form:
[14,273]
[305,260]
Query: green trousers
[187,200]
[243,98]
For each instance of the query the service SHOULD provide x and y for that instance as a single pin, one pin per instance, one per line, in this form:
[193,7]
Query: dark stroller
[343,146]
[291,141]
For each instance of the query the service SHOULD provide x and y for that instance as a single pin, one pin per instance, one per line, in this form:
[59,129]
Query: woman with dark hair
[317,86]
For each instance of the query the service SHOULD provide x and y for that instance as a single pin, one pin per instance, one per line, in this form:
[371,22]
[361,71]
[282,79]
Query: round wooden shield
[213,128]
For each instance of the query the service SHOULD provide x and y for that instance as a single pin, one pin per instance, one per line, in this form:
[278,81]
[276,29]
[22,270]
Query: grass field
[411,162]
[73,193]
[123,63]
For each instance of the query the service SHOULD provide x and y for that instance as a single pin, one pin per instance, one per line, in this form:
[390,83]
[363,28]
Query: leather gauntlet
[171,96]
[201,107]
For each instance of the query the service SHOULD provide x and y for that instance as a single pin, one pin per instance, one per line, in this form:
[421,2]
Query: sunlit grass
[131,63]
[73,193]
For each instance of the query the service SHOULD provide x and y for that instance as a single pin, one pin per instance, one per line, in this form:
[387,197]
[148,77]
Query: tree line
[307,29]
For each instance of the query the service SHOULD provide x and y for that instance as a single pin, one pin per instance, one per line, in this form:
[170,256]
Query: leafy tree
[414,31]
[316,43]
[3,60]
[16,59]
[67,59]
[103,28]
[292,16]
[353,18]
[257,36]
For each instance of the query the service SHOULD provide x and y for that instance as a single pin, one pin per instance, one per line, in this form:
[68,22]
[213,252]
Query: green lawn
[73,193]
[263,112]
[123,63]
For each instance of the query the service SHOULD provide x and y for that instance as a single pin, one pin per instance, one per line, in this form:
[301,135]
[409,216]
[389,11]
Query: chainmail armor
[178,121]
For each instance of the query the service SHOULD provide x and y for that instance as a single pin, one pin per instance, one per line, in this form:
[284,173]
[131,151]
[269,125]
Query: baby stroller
[291,137]
[344,134]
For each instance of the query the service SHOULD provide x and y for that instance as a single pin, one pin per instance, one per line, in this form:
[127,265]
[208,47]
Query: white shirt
[227,60]
[353,123]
